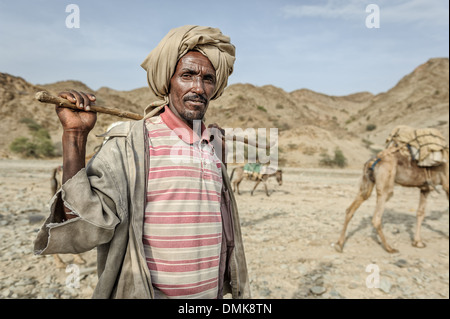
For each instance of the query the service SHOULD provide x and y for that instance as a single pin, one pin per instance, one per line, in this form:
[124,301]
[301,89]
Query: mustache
[195,98]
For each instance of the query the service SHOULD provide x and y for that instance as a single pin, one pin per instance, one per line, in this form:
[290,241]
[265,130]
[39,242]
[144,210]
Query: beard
[196,113]
[193,115]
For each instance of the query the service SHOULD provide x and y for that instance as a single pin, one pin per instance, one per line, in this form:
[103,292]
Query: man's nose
[198,86]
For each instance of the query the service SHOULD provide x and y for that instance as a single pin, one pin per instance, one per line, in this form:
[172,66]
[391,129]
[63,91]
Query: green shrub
[351,119]
[40,145]
[339,159]
[32,125]
[261,108]
[370,127]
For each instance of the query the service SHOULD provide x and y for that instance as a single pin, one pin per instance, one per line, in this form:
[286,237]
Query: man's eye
[210,80]
[186,75]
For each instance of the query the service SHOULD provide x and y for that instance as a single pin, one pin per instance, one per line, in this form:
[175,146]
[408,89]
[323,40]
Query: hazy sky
[320,45]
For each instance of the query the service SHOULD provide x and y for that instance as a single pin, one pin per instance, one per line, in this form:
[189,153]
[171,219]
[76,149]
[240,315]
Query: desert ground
[288,239]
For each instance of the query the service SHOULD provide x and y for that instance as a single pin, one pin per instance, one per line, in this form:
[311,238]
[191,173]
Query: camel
[241,174]
[389,168]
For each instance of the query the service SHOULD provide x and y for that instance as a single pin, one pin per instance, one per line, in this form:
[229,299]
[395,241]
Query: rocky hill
[309,123]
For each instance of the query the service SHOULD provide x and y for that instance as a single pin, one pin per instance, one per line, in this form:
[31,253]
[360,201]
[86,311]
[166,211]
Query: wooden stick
[246,141]
[45,97]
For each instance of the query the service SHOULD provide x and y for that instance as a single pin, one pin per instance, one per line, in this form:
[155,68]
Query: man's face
[192,86]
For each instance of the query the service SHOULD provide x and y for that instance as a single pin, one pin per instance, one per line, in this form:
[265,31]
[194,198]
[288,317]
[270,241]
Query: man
[155,200]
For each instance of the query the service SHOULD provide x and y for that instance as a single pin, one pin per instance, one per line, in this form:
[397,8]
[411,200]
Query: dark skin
[191,88]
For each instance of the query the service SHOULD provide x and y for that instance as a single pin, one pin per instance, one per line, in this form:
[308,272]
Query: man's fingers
[91,97]
[82,100]
[86,101]
[78,99]
[68,96]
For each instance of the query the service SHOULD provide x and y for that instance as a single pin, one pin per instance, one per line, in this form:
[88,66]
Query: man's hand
[81,121]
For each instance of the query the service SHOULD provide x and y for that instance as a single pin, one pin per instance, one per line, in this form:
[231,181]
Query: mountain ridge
[309,123]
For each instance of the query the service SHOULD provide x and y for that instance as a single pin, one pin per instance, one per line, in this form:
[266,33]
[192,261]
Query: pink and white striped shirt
[182,225]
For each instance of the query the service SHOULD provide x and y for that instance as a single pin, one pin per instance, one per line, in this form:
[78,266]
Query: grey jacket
[108,197]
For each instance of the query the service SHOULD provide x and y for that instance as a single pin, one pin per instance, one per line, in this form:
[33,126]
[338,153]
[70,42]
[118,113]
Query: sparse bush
[283,127]
[309,150]
[261,108]
[31,124]
[367,143]
[370,127]
[40,145]
[339,159]
[351,119]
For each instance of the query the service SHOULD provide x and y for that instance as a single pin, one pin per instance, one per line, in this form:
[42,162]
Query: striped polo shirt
[182,225]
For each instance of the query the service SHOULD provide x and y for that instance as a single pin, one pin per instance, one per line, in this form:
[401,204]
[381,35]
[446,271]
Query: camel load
[424,145]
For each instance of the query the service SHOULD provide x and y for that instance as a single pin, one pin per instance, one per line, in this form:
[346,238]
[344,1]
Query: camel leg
[420,216]
[376,222]
[267,190]
[348,216]
[78,259]
[237,186]
[58,261]
[385,178]
[256,185]
[365,190]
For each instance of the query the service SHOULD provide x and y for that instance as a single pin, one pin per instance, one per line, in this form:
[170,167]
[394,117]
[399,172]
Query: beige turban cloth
[160,64]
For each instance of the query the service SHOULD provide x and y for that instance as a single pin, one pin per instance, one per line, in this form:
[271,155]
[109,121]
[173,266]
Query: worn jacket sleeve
[95,195]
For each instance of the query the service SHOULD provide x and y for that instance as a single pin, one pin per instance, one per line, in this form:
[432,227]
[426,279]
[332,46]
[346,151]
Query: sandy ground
[288,239]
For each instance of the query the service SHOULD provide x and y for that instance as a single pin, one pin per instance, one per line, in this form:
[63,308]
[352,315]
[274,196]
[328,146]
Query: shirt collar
[183,131]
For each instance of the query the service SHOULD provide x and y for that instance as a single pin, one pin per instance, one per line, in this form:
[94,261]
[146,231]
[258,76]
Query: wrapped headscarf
[160,64]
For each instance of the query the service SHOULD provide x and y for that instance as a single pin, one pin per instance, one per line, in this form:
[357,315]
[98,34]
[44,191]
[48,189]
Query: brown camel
[393,167]
[241,174]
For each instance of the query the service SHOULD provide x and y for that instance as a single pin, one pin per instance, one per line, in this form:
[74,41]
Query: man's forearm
[74,154]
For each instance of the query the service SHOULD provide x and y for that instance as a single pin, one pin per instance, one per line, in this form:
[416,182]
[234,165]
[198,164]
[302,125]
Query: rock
[25,282]
[302,269]
[35,218]
[318,290]
[353,286]
[7,293]
[265,292]
[335,294]
[385,286]
[401,263]
[319,281]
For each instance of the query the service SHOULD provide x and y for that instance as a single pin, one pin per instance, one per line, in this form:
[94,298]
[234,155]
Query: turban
[160,64]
